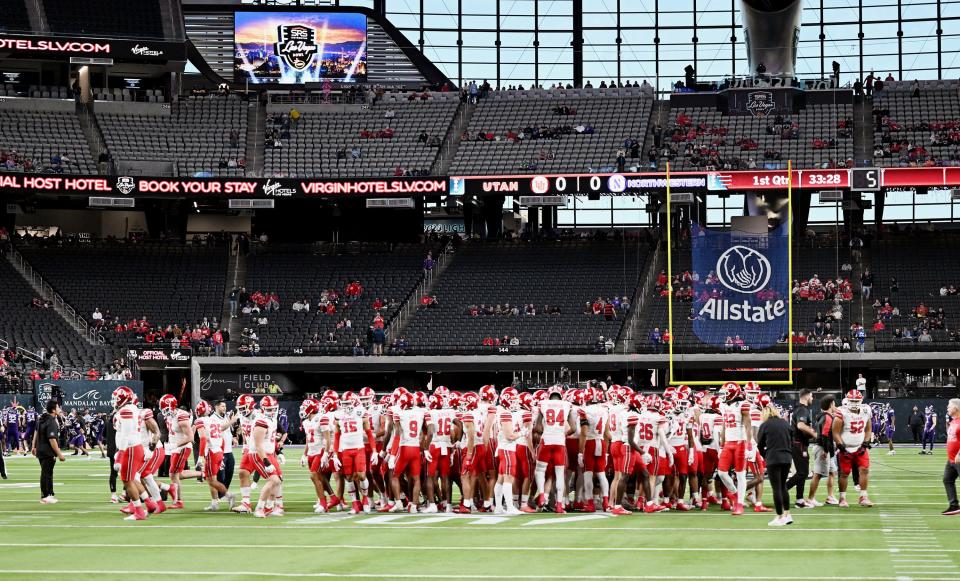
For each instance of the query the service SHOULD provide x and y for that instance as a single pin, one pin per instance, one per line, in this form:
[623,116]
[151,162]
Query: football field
[903,537]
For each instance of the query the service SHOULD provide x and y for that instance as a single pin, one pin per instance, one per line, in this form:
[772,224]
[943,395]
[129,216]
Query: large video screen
[292,48]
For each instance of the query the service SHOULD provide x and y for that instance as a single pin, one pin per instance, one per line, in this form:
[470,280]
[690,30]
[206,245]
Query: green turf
[903,537]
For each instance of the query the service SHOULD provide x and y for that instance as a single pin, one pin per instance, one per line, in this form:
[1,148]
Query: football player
[349,453]
[246,412]
[265,462]
[129,458]
[711,424]
[179,444]
[414,425]
[852,434]
[736,426]
[617,432]
[555,421]
[441,451]
[315,450]
[593,449]
[154,455]
[211,452]
[465,423]
[507,437]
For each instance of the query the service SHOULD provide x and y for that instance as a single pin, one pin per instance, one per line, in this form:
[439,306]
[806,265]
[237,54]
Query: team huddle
[509,453]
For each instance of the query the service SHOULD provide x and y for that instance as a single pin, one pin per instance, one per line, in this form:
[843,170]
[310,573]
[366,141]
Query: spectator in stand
[428,262]
[866,283]
[97,317]
[656,340]
[609,312]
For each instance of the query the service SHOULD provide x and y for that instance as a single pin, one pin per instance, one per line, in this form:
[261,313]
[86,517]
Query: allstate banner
[740,292]
[81,394]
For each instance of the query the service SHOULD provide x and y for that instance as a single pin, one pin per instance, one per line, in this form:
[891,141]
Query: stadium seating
[722,133]
[22,325]
[568,274]
[298,272]
[905,118]
[119,18]
[304,155]
[15,17]
[614,115]
[165,284]
[196,135]
[38,137]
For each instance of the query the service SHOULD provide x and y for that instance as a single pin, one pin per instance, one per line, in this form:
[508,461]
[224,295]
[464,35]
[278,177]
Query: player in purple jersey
[929,429]
[890,427]
[31,418]
[75,428]
[12,429]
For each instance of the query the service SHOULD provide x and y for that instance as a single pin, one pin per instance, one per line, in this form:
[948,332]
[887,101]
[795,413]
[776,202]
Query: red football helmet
[712,402]
[554,390]
[349,400]
[638,402]
[698,397]
[667,407]
[764,399]
[435,402]
[751,389]
[508,392]
[124,395]
[441,391]
[420,399]
[579,397]
[654,402]
[470,400]
[203,409]
[309,407]
[329,404]
[168,404]
[330,393]
[854,399]
[539,395]
[405,401]
[245,404]
[452,400]
[386,400]
[526,401]
[398,391]
[729,391]
[488,394]
[269,406]
[510,400]
[683,392]
[669,392]
[367,395]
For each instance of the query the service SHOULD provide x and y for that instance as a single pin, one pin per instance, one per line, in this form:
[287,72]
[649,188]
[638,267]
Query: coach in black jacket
[775,444]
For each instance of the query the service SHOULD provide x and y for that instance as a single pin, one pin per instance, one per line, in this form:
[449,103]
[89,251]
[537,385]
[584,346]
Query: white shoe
[812,503]
[231,499]
[513,510]
[412,508]
[777,522]
[397,507]
[856,487]
[253,485]
[213,507]
[832,501]
[114,499]
[430,509]
[499,510]
[318,510]
[892,453]
[50,500]
[788,520]
[448,509]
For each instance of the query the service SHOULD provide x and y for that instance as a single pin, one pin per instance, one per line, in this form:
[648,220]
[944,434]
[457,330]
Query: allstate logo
[616,183]
[743,270]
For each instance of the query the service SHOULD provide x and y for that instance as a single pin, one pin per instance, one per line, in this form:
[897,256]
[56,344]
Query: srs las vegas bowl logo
[296,45]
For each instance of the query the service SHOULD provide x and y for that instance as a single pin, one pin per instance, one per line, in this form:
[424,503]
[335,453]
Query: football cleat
[737,509]
[114,499]
[513,510]
[865,502]
[278,511]
[461,509]
[161,507]
[412,508]
[430,509]
[843,503]
[318,509]
[528,509]
[758,507]
[386,508]
[832,501]
[620,511]
[590,506]
[151,505]
[127,509]
[212,507]
[559,509]
[682,506]
[260,513]
[243,508]
[356,507]
[138,514]
[541,499]
[651,508]
[177,504]
[704,504]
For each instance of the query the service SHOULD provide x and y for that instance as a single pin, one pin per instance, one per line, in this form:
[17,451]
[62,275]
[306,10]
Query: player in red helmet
[654,458]
[179,444]
[523,419]
[316,429]
[351,423]
[129,458]
[852,433]
[621,419]
[755,463]
[366,395]
[594,449]
[154,454]
[414,426]
[710,425]
[441,450]
[507,436]
[211,451]
[265,463]
[246,414]
[555,421]
[737,427]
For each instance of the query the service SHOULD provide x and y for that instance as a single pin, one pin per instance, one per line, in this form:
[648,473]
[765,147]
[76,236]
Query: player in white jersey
[620,419]
[153,453]
[852,433]
[470,443]
[523,419]
[441,452]
[349,455]
[211,452]
[179,444]
[755,462]
[736,424]
[655,455]
[594,450]
[507,436]
[246,410]
[555,420]
[129,458]
[265,462]
[415,429]
[710,425]
[315,452]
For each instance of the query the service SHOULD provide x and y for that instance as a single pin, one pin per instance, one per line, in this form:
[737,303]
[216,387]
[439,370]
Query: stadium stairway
[461,120]
[93,133]
[632,331]
[44,290]
[256,129]
[427,282]
[38,20]
[236,274]
[863,131]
